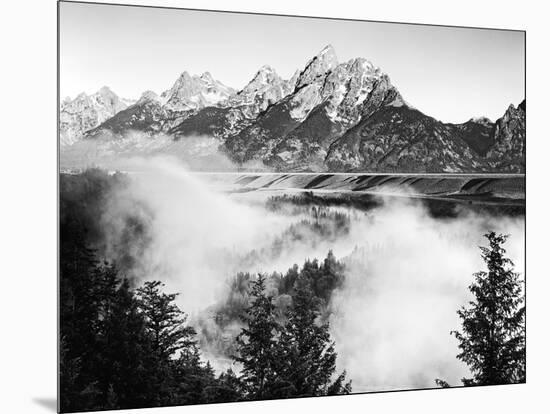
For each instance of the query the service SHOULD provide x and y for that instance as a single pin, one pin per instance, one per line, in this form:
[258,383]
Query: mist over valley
[404,245]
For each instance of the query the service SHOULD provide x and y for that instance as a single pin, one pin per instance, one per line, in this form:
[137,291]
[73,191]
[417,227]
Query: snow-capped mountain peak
[328,116]
[265,88]
[327,52]
[195,92]
[207,77]
[148,96]
[85,112]
[318,66]
[343,88]
[265,75]
[264,78]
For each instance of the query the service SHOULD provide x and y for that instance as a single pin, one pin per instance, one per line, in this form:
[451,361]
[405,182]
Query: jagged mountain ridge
[330,116]
[153,114]
[78,115]
[508,150]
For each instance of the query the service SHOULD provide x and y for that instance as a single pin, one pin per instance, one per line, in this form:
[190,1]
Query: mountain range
[329,116]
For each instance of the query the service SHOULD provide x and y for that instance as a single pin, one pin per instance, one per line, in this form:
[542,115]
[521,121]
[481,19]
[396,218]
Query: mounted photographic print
[258,207]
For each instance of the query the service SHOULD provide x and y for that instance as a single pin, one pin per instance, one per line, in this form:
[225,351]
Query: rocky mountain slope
[329,116]
[153,114]
[508,150]
[85,112]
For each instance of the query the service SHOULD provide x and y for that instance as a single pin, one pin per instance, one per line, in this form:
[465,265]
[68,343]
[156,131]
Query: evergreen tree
[331,277]
[492,341]
[69,371]
[257,346]
[165,322]
[309,355]
[123,348]
[289,279]
[227,388]
[169,337]
[125,352]
[338,387]
[192,378]
[79,318]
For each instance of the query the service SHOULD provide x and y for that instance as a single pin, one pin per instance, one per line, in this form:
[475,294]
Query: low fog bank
[192,232]
[406,272]
[195,152]
[392,319]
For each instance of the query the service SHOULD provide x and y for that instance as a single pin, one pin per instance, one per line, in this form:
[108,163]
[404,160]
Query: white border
[28,162]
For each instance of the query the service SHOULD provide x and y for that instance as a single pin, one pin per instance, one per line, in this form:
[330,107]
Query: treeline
[296,202]
[129,348]
[451,207]
[320,225]
[217,324]
[124,345]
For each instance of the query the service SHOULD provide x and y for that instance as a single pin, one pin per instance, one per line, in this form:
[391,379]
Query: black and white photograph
[243,207]
[259,207]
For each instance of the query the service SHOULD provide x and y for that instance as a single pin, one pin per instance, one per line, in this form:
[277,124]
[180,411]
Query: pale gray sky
[452,74]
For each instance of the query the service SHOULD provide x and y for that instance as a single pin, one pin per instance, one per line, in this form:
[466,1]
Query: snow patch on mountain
[195,92]
[328,116]
[303,101]
[266,88]
[85,112]
[318,66]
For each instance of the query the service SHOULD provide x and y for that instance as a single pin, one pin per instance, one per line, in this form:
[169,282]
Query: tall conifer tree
[257,346]
[492,340]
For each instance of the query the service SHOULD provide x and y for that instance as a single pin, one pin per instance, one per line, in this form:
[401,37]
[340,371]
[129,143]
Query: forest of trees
[126,344]
[124,347]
